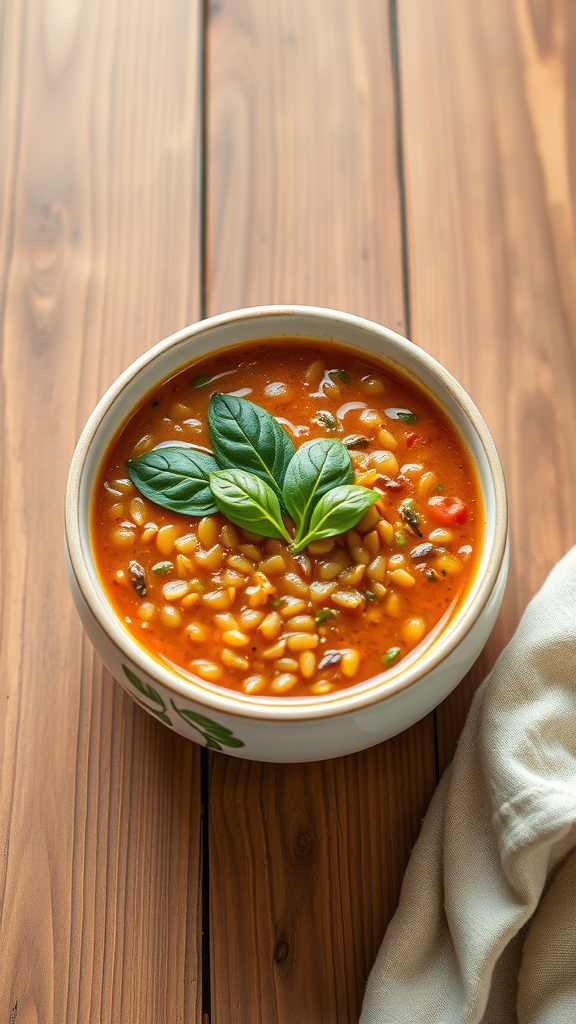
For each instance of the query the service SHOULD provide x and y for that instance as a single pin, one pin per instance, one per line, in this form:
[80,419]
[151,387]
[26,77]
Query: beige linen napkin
[485,931]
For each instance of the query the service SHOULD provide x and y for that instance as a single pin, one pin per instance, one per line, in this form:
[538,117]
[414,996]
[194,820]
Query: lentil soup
[245,611]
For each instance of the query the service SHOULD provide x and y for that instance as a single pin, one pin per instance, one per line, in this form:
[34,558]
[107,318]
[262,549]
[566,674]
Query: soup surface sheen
[241,611]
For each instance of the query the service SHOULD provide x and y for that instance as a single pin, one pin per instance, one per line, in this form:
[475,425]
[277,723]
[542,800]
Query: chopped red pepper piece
[411,437]
[445,509]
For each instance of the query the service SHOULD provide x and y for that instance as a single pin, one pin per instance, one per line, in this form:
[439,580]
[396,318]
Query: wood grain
[302,184]
[99,257]
[488,94]
[305,861]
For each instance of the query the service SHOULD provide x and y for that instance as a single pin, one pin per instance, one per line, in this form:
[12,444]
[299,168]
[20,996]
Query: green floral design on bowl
[215,735]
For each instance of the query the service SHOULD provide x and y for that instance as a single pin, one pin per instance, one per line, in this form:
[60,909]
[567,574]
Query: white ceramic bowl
[283,728]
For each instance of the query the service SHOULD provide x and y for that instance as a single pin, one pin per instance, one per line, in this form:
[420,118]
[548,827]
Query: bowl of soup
[286,532]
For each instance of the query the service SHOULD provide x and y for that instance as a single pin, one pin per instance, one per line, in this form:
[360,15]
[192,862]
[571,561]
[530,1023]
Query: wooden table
[413,162]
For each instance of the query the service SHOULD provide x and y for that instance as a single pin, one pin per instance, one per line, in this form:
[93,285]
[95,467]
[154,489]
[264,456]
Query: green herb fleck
[200,380]
[440,489]
[198,586]
[400,538]
[161,568]
[342,375]
[390,657]
[370,595]
[325,613]
[275,603]
[408,417]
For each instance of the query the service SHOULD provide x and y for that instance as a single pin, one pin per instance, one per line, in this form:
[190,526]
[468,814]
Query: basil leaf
[248,502]
[339,510]
[244,436]
[175,478]
[317,467]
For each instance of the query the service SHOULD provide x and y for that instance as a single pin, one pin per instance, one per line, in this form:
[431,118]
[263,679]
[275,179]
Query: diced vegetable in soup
[286,518]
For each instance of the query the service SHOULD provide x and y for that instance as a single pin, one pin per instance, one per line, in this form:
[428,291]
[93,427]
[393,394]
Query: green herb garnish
[400,538]
[248,502]
[317,467]
[342,375]
[325,613]
[390,657]
[161,568]
[245,436]
[200,380]
[405,415]
[336,512]
[255,474]
[370,595]
[175,478]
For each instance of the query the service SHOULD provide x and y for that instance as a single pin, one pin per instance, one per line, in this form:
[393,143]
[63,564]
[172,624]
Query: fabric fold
[491,883]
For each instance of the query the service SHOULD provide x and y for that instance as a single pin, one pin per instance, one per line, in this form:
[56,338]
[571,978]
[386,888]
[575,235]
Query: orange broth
[239,610]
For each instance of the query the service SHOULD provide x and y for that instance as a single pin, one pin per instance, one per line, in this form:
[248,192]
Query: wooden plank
[303,195]
[99,258]
[305,861]
[488,94]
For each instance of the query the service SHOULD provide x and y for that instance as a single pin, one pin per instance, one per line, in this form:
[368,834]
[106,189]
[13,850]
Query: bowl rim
[232,702]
